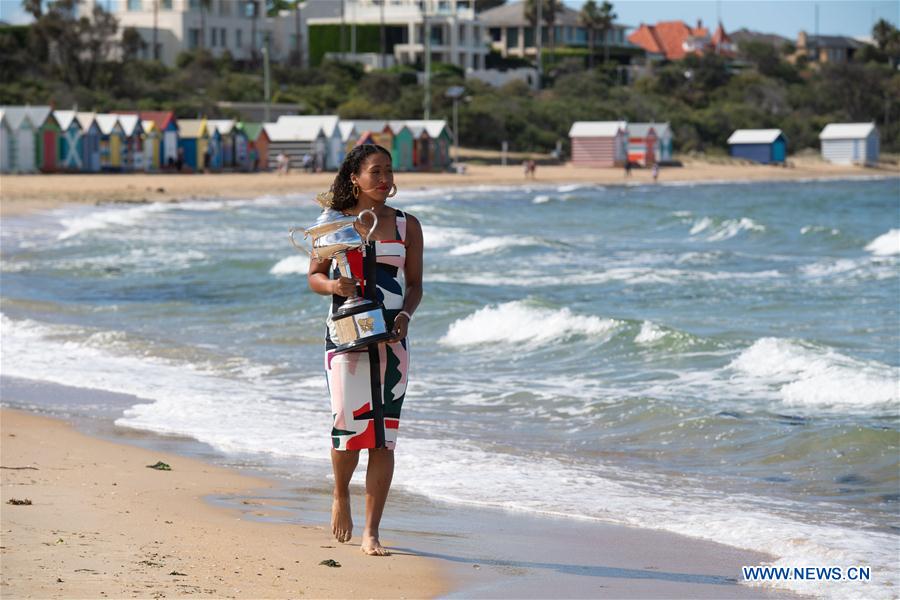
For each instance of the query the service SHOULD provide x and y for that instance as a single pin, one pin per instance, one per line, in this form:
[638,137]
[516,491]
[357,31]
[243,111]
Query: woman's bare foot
[341,520]
[372,547]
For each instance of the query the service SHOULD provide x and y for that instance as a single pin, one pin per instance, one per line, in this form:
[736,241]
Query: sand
[21,194]
[103,525]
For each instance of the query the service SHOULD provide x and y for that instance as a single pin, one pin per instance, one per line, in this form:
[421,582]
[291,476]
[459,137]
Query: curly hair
[341,196]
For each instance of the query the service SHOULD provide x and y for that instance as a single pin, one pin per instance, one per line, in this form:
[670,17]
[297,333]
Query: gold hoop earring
[355,191]
[393,192]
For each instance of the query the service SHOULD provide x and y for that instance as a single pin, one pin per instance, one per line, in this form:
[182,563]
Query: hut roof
[754,136]
[252,130]
[223,126]
[346,128]
[398,126]
[85,119]
[192,128]
[16,115]
[373,125]
[640,129]
[328,123]
[130,124]
[845,131]
[162,118]
[597,128]
[293,132]
[107,123]
[64,118]
[148,125]
[434,127]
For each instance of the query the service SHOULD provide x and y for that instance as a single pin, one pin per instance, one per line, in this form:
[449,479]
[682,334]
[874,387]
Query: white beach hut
[5,163]
[295,140]
[334,153]
[850,143]
[18,136]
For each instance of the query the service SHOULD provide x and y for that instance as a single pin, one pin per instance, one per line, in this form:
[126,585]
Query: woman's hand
[401,327]
[343,286]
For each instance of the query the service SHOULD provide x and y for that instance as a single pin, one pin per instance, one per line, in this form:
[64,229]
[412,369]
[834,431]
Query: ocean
[715,360]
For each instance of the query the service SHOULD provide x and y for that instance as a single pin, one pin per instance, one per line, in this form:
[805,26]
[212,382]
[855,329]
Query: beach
[23,193]
[634,392]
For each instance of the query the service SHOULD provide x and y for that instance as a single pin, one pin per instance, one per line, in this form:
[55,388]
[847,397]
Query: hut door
[49,158]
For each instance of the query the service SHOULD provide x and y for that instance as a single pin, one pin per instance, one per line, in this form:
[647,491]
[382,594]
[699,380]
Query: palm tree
[604,24]
[549,8]
[590,18]
[881,32]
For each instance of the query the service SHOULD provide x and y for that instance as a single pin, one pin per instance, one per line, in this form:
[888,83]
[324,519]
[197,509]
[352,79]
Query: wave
[886,244]
[519,322]
[491,244]
[726,229]
[804,375]
[446,237]
[292,265]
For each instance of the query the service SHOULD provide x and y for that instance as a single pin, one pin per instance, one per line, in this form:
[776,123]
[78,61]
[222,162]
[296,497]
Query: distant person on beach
[655,172]
[179,162]
[307,162]
[532,168]
[368,386]
[283,163]
[207,159]
[627,168]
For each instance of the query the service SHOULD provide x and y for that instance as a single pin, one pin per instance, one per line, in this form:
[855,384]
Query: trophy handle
[300,246]
[374,221]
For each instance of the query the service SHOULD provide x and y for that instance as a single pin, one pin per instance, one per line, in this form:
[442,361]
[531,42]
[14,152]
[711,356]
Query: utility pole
[343,33]
[297,27]
[382,59]
[426,32]
[265,52]
[539,39]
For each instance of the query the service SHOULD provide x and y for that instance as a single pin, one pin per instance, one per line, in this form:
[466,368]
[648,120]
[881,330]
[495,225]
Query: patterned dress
[367,386]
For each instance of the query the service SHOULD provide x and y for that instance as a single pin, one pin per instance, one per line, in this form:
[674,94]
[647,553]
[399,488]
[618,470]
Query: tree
[35,7]
[590,18]
[549,8]
[605,23]
[888,39]
[132,43]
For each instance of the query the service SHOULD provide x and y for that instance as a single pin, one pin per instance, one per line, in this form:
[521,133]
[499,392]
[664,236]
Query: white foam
[113,217]
[725,230]
[445,237]
[650,333]
[491,244]
[804,375]
[541,199]
[518,322]
[292,265]
[886,244]
[819,229]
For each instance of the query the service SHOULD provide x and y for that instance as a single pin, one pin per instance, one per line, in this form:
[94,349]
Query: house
[662,151]
[90,141]
[642,141]
[765,146]
[835,49]
[673,40]
[295,139]
[512,34]
[402,150]
[599,143]
[167,127]
[193,142]
[850,143]
[335,146]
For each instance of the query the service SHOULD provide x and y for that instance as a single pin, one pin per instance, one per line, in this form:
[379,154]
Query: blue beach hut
[90,141]
[764,146]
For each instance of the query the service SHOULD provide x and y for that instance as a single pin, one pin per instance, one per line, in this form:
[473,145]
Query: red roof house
[673,40]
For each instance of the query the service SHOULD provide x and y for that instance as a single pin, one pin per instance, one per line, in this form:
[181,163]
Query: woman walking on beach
[368,386]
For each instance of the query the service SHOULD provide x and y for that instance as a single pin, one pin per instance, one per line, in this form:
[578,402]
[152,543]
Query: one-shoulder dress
[367,386]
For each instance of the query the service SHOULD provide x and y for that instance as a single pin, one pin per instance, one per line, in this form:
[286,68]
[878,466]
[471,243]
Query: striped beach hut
[764,146]
[112,142]
[850,143]
[70,153]
[402,150]
[257,146]
[167,126]
[599,143]
[48,133]
[335,142]
[642,144]
[132,142]
[193,141]
[152,145]
[296,139]
[90,141]
[18,134]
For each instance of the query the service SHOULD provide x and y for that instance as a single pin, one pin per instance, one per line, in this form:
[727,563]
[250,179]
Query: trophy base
[358,324]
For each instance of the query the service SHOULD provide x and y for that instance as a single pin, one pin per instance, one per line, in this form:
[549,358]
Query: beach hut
[335,142]
[348,137]
[241,147]
[760,145]
[212,159]
[599,143]
[132,142]
[20,139]
[70,153]
[5,135]
[296,139]
[193,141]
[257,146]
[90,141]
[402,150]
[48,133]
[642,144]
[152,145]
[421,146]
[167,127]
[432,143]
[380,133]
[663,150]
[850,143]
[112,142]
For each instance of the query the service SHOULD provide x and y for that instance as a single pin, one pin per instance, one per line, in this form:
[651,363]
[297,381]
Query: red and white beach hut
[599,143]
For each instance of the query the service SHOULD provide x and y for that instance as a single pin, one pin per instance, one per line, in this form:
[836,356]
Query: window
[165,4]
[462,35]
[581,35]
[437,34]
[239,38]
[225,8]
[223,37]
[215,38]
[558,33]
[496,34]
[529,37]
[193,38]
[134,4]
[194,4]
[512,37]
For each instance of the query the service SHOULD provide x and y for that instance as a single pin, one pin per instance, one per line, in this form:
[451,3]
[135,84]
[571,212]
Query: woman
[367,387]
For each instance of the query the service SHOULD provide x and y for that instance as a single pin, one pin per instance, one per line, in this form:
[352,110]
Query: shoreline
[24,194]
[124,531]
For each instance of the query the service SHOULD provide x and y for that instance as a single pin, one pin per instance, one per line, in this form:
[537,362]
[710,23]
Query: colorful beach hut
[402,150]
[850,143]
[641,144]
[70,153]
[132,142]
[167,127]
[48,133]
[599,143]
[224,158]
[112,142]
[90,141]
[193,141]
[241,147]
[759,145]
[151,145]
[257,146]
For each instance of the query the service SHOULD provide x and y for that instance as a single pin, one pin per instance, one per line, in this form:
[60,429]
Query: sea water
[720,361]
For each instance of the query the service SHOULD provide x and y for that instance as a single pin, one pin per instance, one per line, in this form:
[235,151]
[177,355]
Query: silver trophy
[359,321]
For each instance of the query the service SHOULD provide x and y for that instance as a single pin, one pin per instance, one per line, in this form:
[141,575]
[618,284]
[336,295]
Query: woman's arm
[319,281]
[413,272]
